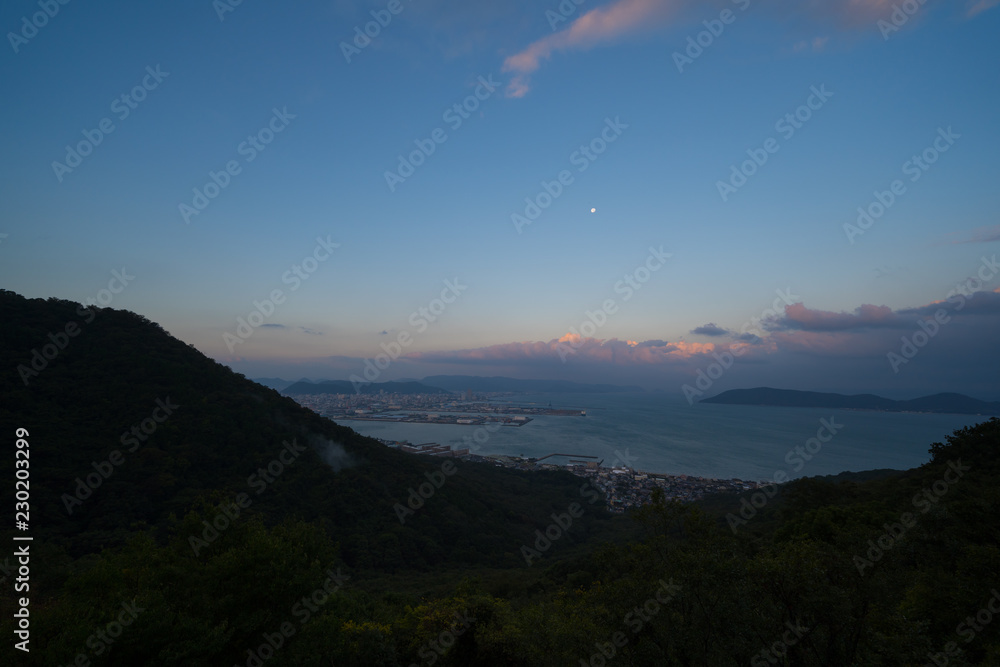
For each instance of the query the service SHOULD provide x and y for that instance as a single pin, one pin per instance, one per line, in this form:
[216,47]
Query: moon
[593,210]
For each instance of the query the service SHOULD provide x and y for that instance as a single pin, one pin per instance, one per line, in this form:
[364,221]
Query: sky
[684,196]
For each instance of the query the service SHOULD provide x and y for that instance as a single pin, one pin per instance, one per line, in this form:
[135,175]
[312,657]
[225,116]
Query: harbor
[434,418]
[429,409]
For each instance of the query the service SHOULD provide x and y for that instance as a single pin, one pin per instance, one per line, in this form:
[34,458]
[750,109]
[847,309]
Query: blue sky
[224,75]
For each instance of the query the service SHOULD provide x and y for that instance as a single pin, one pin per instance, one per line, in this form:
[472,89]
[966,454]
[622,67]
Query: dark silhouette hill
[222,430]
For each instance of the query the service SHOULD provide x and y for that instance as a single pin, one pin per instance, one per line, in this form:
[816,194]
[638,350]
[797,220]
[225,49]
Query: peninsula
[940,403]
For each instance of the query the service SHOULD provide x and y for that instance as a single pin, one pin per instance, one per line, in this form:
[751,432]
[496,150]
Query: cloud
[872,330]
[797,316]
[980,235]
[275,325]
[832,343]
[866,333]
[980,6]
[710,329]
[622,18]
[802,348]
[603,24]
[814,44]
[963,301]
[571,346]
[848,13]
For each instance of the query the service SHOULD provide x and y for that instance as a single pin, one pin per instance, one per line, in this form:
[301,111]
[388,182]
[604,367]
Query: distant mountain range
[275,383]
[437,384]
[942,403]
[345,387]
[477,383]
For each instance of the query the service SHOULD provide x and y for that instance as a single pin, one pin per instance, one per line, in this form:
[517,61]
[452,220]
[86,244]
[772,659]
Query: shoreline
[623,487]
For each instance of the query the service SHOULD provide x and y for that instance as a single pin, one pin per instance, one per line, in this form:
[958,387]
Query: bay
[659,432]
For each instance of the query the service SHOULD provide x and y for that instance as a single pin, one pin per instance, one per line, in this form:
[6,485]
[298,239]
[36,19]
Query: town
[622,486]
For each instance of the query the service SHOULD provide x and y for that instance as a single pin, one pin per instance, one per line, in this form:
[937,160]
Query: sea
[660,432]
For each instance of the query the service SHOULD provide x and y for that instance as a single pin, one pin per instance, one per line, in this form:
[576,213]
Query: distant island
[941,403]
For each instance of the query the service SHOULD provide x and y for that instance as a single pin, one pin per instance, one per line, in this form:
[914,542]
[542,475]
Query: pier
[573,456]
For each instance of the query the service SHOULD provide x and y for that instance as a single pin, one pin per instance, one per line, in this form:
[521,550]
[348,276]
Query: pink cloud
[598,25]
[575,347]
[622,18]
[866,334]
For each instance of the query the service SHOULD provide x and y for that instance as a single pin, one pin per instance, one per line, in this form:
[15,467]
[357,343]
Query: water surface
[662,433]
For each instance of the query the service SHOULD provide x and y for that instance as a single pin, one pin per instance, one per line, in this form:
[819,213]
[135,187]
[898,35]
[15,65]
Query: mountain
[504,384]
[274,383]
[345,387]
[942,403]
[122,411]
